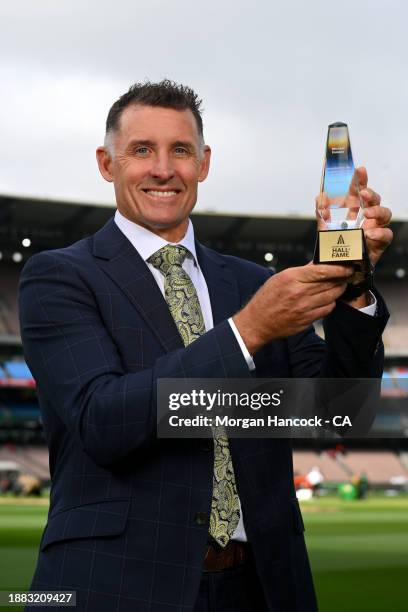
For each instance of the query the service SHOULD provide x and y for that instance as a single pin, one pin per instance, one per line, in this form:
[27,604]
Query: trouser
[236,589]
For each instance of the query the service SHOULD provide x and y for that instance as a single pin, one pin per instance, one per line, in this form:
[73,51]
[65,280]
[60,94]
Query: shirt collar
[146,242]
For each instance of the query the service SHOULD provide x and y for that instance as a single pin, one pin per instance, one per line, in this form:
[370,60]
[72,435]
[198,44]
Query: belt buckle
[218,559]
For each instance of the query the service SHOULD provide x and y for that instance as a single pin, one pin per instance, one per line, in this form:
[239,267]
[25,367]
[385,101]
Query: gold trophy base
[339,246]
[346,247]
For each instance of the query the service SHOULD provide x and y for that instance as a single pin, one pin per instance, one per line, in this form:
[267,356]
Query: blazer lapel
[123,264]
[221,282]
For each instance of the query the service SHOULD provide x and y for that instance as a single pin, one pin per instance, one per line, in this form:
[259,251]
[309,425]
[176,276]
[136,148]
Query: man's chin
[170,229]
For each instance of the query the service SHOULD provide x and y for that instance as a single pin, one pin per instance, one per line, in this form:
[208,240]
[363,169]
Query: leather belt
[217,558]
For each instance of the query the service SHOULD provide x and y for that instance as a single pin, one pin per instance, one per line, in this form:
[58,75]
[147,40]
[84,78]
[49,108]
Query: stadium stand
[12,413]
[395,382]
[395,335]
[31,460]
[403,457]
[4,329]
[17,369]
[304,461]
[381,467]
[9,275]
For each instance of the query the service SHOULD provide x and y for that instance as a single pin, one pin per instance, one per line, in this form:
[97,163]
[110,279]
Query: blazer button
[201,518]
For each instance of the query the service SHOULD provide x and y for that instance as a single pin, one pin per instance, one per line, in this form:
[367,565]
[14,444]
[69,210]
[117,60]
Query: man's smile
[161,194]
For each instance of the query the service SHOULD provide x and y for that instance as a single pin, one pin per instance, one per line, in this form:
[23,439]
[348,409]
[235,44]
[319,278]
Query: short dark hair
[166,94]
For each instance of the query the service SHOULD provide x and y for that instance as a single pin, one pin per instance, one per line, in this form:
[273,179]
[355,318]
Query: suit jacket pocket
[104,518]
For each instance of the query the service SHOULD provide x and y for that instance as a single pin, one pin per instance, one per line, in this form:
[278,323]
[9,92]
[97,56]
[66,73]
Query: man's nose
[162,167]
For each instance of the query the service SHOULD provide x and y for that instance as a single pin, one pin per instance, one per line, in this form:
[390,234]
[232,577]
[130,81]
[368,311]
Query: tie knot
[167,257]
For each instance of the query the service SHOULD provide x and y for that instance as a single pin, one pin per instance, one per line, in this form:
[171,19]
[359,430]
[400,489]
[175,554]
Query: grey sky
[272,76]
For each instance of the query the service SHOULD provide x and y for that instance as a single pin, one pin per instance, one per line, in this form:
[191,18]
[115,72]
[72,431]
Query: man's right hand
[289,302]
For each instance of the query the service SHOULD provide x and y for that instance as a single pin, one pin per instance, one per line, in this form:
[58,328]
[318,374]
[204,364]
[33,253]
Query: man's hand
[375,221]
[377,218]
[289,302]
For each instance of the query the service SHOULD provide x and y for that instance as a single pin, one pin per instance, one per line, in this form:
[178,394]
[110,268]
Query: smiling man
[137,523]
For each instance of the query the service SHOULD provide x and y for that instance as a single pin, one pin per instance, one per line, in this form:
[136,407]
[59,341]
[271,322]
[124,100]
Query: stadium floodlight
[17,257]
[26,242]
[268,256]
[400,273]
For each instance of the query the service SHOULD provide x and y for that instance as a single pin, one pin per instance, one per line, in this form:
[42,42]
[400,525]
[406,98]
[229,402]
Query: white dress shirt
[147,243]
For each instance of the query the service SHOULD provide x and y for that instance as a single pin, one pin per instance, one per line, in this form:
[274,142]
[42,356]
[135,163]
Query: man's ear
[204,164]
[104,160]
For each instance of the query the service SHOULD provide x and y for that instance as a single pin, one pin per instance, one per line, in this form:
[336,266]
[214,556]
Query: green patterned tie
[185,309]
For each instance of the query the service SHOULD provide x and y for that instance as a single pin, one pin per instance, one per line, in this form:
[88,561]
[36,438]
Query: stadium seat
[18,369]
[387,382]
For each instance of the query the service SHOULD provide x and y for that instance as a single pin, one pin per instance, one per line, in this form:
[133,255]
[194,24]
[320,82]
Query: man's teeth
[161,194]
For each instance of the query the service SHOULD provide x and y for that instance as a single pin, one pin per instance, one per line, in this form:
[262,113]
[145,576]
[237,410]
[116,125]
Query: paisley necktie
[182,299]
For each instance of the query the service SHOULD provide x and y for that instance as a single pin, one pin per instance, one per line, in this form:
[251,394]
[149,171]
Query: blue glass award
[340,210]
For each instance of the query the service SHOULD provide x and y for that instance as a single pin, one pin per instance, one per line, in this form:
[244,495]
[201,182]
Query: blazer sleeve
[78,368]
[352,347]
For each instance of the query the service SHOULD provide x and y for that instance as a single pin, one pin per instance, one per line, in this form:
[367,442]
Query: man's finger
[322,210]
[322,201]
[323,286]
[381,214]
[359,181]
[324,272]
[325,298]
[370,197]
[379,234]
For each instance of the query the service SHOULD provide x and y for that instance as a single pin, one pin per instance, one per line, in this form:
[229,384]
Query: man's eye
[142,151]
[181,151]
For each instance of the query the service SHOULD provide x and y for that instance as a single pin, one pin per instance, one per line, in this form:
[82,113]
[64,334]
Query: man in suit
[138,523]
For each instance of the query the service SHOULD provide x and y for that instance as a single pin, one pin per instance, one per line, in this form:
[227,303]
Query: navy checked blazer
[128,518]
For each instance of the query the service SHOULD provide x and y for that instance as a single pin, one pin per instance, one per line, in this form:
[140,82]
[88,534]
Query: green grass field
[358,550]
[359,553]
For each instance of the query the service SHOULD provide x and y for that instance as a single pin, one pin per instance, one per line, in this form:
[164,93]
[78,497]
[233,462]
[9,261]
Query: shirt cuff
[368,310]
[371,308]
[245,352]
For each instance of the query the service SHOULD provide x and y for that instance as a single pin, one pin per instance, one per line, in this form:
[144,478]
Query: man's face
[156,168]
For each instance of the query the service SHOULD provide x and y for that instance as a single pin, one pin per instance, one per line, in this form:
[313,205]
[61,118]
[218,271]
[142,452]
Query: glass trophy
[340,213]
